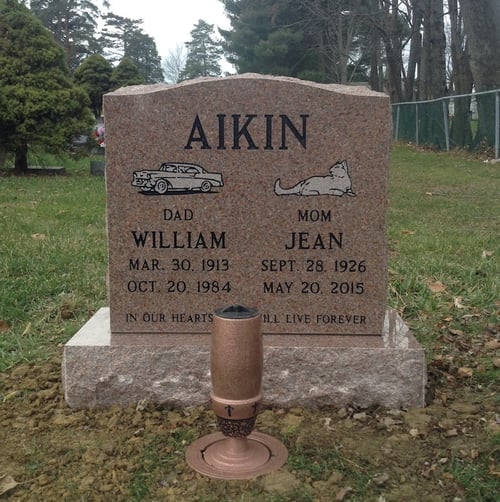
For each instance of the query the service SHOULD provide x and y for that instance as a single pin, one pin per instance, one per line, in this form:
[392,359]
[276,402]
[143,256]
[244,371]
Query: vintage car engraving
[175,178]
[337,182]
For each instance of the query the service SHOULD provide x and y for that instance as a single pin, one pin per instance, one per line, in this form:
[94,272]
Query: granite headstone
[269,192]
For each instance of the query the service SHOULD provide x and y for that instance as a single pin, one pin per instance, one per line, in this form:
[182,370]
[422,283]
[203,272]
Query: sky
[170,22]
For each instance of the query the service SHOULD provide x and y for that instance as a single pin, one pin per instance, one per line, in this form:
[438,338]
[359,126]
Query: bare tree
[335,26]
[433,62]
[174,63]
[417,14]
[482,27]
[393,32]
[461,77]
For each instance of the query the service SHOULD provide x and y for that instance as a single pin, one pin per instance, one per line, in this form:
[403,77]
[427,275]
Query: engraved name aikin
[180,177]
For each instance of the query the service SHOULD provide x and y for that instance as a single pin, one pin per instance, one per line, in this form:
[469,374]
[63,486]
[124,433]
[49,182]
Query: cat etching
[338,183]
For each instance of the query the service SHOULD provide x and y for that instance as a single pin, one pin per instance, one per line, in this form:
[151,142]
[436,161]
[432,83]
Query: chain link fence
[463,121]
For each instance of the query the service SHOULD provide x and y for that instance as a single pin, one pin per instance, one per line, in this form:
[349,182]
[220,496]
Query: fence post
[497,124]
[416,123]
[396,132]
[446,125]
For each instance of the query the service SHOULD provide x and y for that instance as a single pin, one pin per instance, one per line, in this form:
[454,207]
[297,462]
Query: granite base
[100,369]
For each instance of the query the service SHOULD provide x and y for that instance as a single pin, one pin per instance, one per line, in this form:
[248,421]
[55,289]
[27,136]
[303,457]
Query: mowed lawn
[53,255]
[443,239]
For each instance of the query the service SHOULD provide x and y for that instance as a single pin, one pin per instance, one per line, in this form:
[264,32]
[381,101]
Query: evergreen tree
[141,50]
[275,38]
[73,24]
[123,37]
[126,73]
[94,75]
[116,34]
[40,104]
[204,53]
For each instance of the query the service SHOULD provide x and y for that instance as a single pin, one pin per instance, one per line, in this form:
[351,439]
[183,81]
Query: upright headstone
[263,191]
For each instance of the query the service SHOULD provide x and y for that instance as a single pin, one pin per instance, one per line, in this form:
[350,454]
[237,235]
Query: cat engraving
[337,183]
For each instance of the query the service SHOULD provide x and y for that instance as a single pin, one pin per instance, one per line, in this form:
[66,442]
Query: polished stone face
[269,192]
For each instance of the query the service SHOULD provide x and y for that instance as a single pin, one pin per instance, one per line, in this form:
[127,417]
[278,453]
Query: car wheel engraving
[161,187]
[206,186]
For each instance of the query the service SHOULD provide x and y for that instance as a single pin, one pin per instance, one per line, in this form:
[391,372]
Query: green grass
[160,456]
[481,485]
[444,225]
[52,258]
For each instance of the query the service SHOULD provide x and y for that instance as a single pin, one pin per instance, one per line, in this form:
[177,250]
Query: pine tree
[94,75]
[204,53]
[275,38]
[116,34]
[126,73]
[141,50]
[40,104]
[73,24]
[123,37]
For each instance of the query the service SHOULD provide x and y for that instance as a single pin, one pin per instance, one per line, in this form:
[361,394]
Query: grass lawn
[52,259]
[444,228]
[443,237]
[444,241]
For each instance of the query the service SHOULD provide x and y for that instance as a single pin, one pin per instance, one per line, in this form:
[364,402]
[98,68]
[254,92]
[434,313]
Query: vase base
[218,456]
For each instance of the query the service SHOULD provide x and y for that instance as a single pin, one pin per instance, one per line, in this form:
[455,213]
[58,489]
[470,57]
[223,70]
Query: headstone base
[101,370]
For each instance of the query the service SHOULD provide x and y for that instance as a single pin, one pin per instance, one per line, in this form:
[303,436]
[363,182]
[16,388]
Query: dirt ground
[444,452]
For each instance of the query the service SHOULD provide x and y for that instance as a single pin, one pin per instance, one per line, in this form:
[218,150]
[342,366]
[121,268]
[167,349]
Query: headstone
[97,167]
[45,171]
[263,191]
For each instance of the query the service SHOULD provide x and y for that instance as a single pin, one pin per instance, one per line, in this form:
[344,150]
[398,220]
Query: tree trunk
[415,52]
[342,49]
[432,81]
[393,72]
[390,32]
[21,158]
[433,63]
[482,26]
[374,78]
[3,156]
[461,79]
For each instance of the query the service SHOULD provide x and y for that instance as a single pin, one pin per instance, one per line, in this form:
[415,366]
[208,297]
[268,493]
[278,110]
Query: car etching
[176,177]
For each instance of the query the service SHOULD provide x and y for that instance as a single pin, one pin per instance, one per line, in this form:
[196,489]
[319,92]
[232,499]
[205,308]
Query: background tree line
[74,25]
[55,66]
[413,50]
[410,49]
